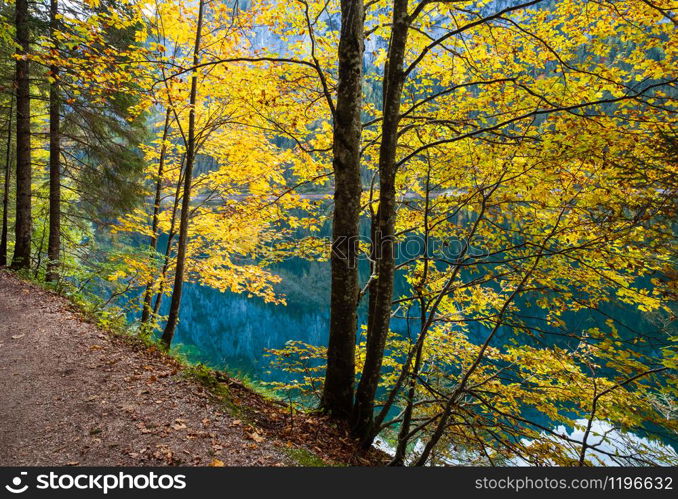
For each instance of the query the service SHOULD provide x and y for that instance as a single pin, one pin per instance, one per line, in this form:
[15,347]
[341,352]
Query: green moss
[304,457]
[261,388]
[208,378]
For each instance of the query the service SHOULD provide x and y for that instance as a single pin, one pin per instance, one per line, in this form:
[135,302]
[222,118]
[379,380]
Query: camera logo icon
[15,487]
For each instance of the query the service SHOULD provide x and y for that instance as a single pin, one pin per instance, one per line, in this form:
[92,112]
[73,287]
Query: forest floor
[72,393]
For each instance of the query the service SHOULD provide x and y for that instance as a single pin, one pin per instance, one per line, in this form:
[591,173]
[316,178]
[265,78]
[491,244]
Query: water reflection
[231,331]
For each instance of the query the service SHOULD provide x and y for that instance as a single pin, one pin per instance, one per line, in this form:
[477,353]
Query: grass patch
[304,457]
[208,378]
[256,386]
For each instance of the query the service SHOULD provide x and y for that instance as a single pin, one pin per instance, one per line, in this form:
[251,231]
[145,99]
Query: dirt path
[72,394]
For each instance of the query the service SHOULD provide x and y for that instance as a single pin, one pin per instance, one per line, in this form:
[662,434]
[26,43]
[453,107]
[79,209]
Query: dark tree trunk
[38,251]
[404,433]
[337,397]
[148,294]
[173,317]
[381,289]
[54,242]
[5,192]
[22,240]
[170,239]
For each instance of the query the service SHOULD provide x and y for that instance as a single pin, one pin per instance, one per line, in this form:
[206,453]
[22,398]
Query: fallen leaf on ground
[256,437]
[217,463]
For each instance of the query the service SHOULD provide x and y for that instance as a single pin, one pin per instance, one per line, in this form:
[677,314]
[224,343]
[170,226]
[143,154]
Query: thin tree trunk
[383,235]
[461,385]
[337,397]
[403,434]
[5,194]
[148,294]
[22,240]
[54,242]
[38,252]
[173,317]
[170,238]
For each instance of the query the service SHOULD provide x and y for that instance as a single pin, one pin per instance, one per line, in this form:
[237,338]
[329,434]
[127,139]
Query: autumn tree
[347,125]
[168,333]
[414,122]
[235,171]
[508,145]
[147,307]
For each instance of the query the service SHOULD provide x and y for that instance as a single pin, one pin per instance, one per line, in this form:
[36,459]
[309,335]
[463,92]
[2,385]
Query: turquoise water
[231,331]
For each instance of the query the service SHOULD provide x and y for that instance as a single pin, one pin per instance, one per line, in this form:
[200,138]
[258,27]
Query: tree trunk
[170,238]
[381,289]
[148,294]
[5,193]
[337,397]
[22,240]
[404,433]
[54,242]
[173,317]
[166,258]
